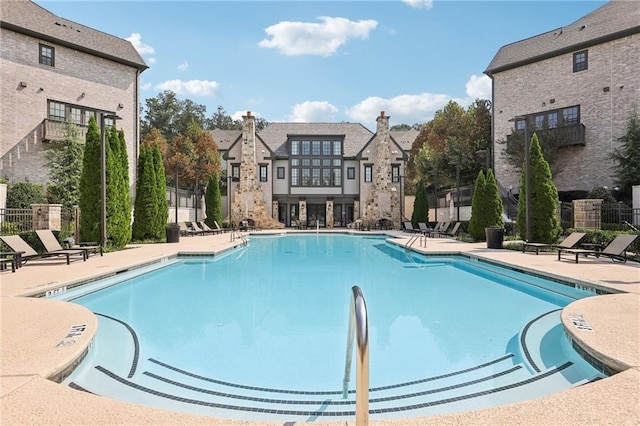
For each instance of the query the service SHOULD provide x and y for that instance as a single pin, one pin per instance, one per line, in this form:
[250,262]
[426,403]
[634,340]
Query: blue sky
[321,61]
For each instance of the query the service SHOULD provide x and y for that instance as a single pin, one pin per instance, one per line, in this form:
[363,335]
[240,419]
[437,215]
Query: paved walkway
[40,338]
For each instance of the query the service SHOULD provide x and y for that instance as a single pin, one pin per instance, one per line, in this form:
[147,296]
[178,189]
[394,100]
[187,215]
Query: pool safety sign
[75,331]
[580,322]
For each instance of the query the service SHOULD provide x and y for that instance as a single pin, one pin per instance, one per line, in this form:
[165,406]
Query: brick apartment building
[580,81]
[53,70]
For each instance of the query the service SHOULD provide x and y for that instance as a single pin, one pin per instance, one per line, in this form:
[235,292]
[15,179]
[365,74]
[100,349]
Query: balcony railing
[53,130]
[566,135]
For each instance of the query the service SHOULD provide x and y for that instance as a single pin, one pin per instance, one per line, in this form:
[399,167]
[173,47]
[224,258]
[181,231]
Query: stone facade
[606,92]
[381,197]
[251,199]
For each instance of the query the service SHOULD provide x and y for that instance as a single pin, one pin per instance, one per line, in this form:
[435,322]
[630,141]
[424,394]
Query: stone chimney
[248,201]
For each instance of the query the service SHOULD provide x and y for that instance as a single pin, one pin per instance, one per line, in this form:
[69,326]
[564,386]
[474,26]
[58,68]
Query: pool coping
[630,378]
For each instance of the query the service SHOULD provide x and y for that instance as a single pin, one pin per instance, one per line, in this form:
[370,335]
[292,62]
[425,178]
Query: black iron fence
[618,217]
[16,221]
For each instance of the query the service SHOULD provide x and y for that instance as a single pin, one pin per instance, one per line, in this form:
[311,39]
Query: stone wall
[587,214]
[248,201]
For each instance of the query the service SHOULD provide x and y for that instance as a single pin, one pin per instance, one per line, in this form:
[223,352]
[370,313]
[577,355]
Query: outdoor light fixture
[103,177]
[527,183]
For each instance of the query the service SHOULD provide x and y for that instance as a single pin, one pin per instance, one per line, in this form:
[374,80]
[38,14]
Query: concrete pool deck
[41,338]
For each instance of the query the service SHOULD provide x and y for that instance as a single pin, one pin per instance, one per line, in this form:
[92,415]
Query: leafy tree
[454,136]
[420,206]
[145,207]
[213,201]
[90,186]
[162,113]
[221,120]
[603,194]
[21,195]
[478,213]
[544,223]
[194,155]
[65,167]
[627,158]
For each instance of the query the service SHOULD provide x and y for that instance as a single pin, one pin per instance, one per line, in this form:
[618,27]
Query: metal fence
[616,216]
[16,221]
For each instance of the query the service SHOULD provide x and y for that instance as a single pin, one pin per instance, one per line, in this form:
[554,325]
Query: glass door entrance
[316,215]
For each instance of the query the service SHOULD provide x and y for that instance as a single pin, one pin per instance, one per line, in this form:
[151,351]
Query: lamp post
[435,191]
[103,175]
[527,180]
[458,190]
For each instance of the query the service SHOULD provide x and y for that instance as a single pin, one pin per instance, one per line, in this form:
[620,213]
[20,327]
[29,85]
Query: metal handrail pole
[358,326]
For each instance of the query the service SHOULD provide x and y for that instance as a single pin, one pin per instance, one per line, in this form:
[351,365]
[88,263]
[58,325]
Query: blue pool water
[267,324]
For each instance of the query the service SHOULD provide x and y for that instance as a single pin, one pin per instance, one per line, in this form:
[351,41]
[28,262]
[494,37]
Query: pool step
[433,398]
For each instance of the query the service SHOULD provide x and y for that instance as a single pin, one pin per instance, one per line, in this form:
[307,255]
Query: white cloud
[143,49]
[419,4]
[407,109]
[191,87]
[146,85]
[150,61]
[323,39]
[479,87]
[183,66]
[313,112]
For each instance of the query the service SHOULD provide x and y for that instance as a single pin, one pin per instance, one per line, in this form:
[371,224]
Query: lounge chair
[567,243]
[16,243]
[207,229]
[408,226]
[4,261]
[440,228]
[451,233]
[616,250]
[196,227]
[187,230]
[422,227]
[51,244]
[218,227]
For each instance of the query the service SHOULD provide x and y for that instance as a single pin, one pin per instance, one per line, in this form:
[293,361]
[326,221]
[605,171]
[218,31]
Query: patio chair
[408,226]
[218,227]
[569,242]
[439,230]
[616,250]
[452,233]
[187,230]
[16,243]
[51,244]
[422,227]
[198,228]
[207,229]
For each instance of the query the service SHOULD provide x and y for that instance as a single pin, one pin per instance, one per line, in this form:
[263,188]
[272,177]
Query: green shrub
[21,195]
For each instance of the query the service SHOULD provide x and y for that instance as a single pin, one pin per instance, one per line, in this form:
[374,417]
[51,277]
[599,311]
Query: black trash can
[173,233]
[495,237]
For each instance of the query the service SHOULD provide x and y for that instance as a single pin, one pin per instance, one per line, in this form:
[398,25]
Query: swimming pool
[260,332]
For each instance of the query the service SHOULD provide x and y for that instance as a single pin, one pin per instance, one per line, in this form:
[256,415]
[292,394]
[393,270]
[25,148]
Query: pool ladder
[358,328]
[421,237]
[237,235]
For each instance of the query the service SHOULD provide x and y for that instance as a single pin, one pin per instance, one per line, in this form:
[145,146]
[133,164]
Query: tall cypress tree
[478,211]
[420,206]
[145,206]
[90,186]
[124,188]
[494,206]
[544,223]
[162,212]
[114,218]
[213,201]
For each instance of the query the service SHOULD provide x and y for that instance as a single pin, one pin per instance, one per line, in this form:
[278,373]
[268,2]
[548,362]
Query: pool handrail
[358,326]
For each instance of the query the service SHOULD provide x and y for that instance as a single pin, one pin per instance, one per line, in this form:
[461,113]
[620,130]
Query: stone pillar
[587,214]
[275,209]
[356,210]
[329,214]
[47,216]
[302,207]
